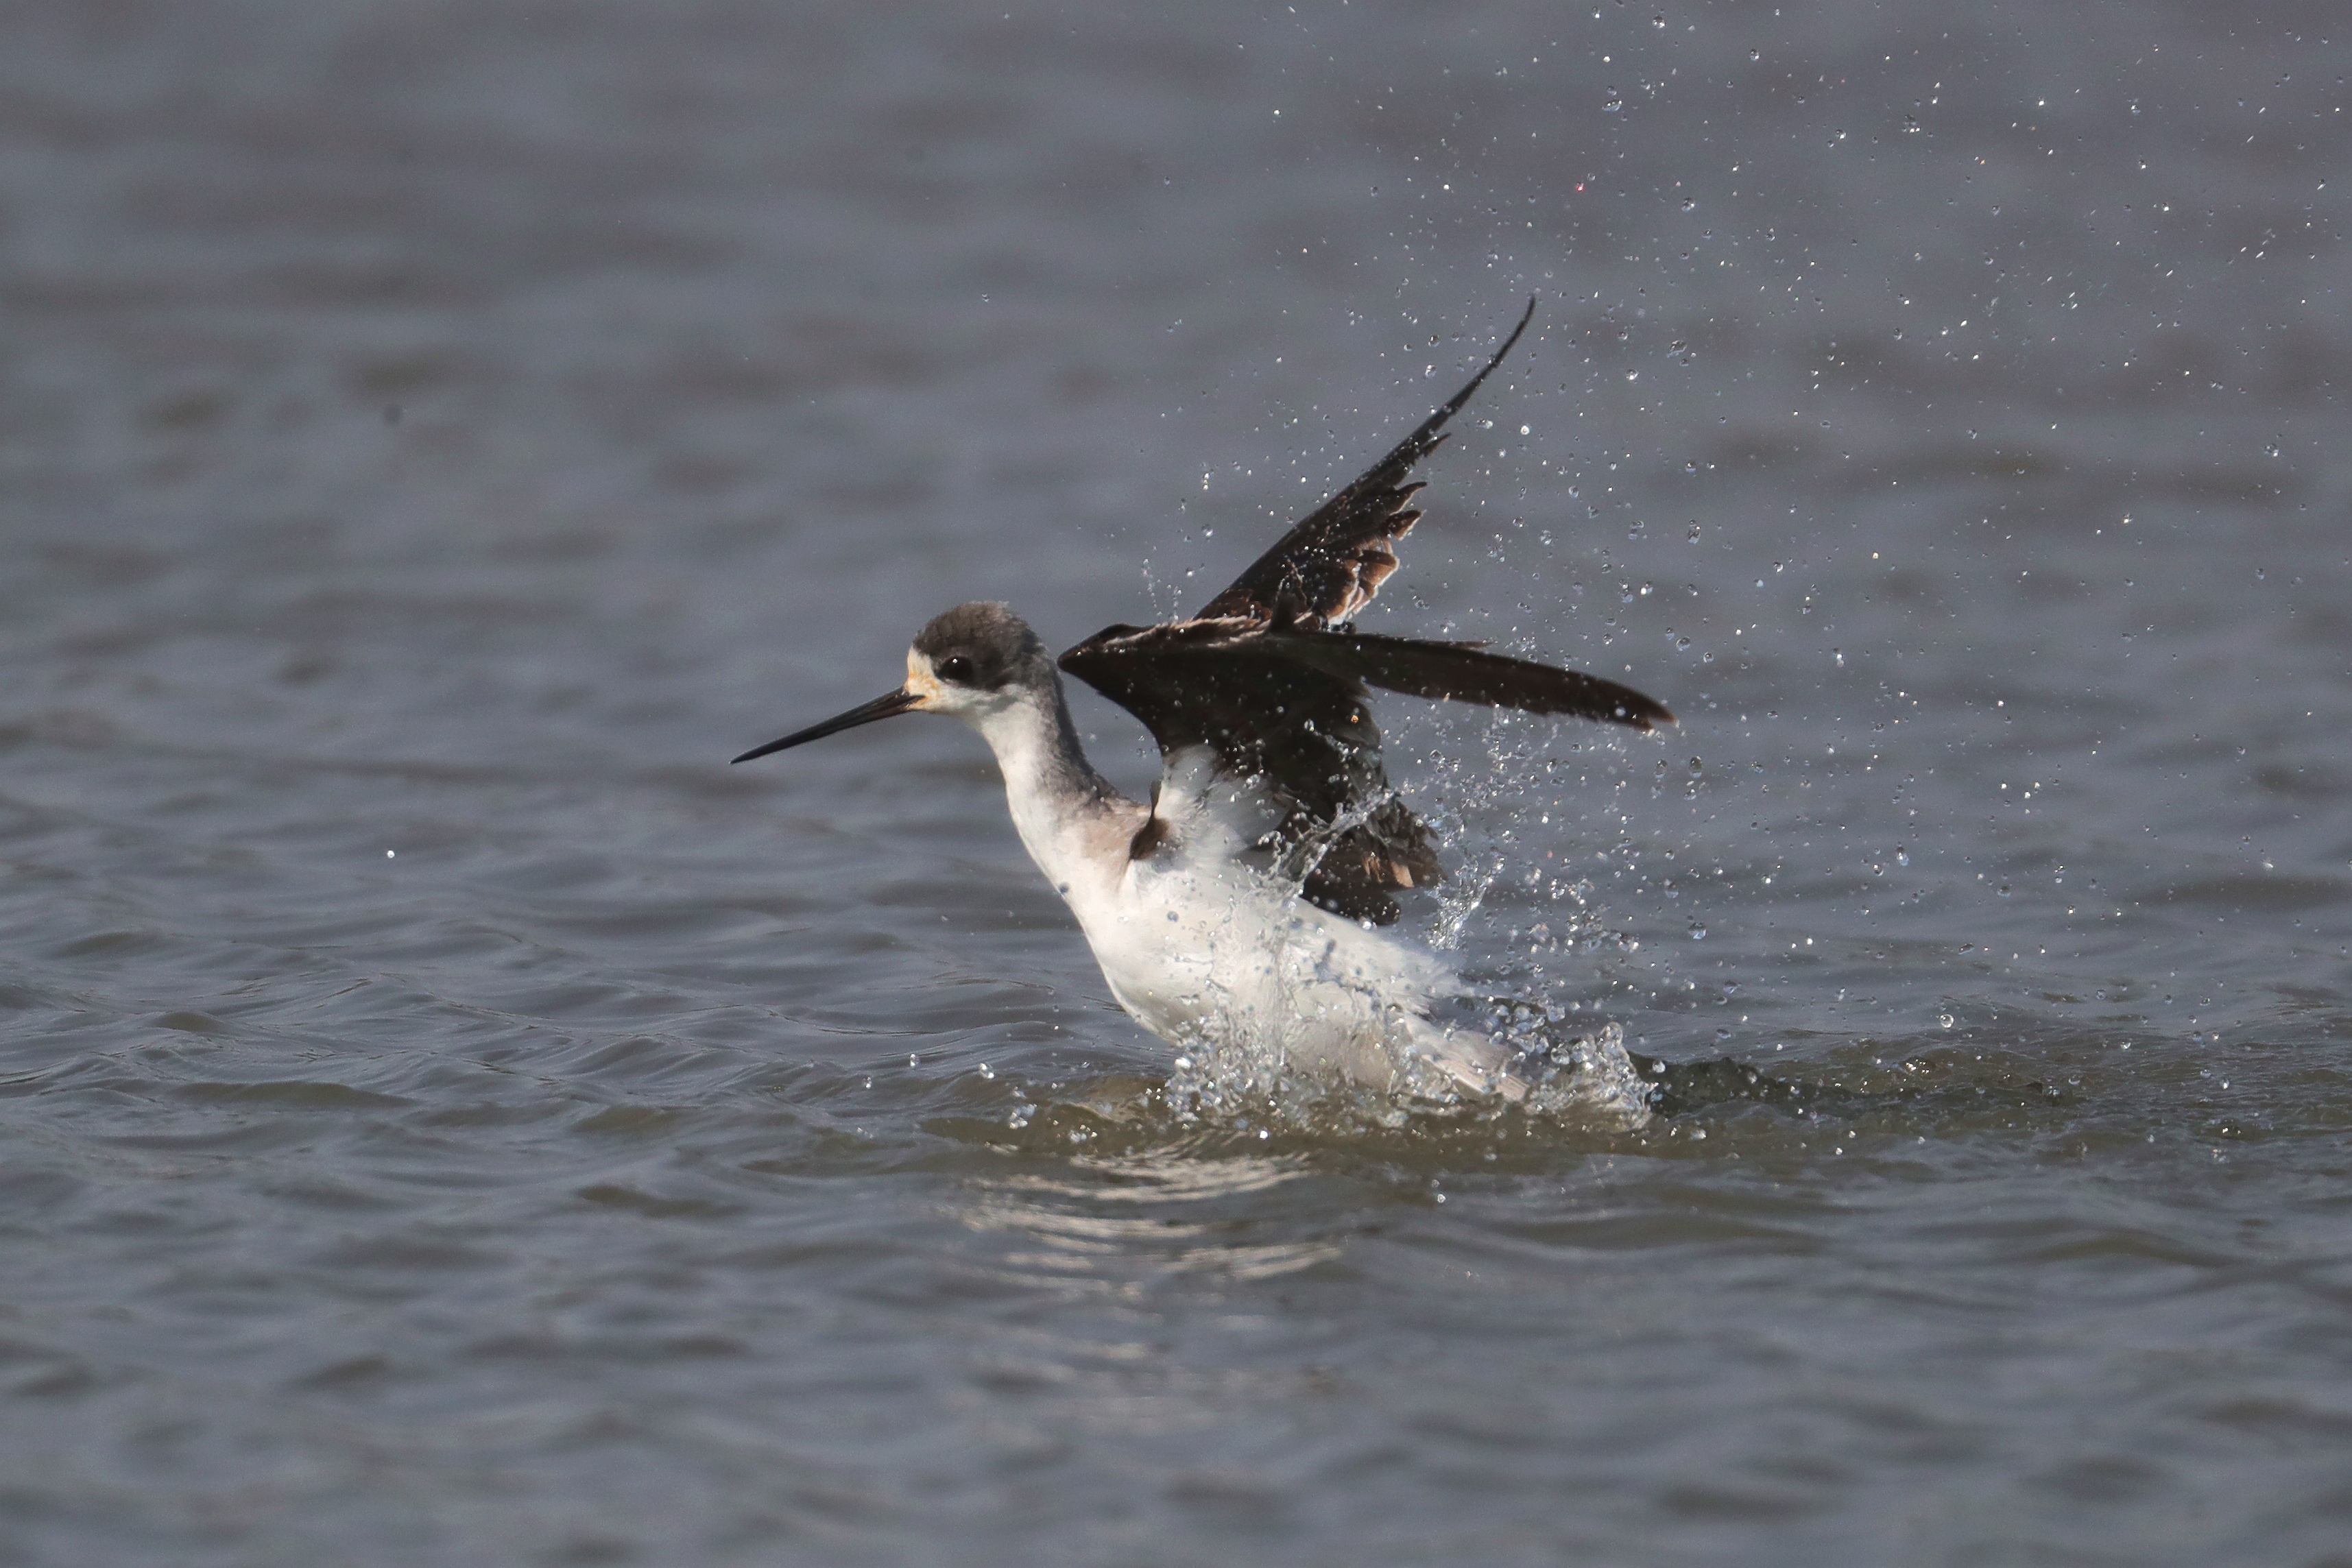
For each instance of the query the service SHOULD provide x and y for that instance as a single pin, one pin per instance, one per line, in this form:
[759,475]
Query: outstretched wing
[1299,733]
[1328,566]
[1287,708]
[1467,673]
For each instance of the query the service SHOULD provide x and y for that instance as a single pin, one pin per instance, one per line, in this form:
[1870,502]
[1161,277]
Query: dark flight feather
[1260,677]
[1304,732]
[1467,673]
[1327,567]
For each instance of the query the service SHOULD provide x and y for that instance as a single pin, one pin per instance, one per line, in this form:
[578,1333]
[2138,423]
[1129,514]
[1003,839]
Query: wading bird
[1241,908]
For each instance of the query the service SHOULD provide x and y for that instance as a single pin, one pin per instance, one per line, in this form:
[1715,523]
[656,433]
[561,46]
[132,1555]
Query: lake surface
[449,1117]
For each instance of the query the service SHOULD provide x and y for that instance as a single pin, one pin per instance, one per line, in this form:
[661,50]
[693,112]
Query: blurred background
[447,1115]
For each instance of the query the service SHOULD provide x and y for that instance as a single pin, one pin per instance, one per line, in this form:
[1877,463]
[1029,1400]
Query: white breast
[1207,950]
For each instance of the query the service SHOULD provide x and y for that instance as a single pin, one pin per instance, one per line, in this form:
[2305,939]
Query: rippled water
[448,1115]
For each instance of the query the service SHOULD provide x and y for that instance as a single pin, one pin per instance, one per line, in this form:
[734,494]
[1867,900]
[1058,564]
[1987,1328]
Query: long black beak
[897,702]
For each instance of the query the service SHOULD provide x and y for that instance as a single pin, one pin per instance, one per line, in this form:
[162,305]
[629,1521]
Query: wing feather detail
[1328,566]
[1303,734]
[1274,685]
[1289,709]
[1467,673]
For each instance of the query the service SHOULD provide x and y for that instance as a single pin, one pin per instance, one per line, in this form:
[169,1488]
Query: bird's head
[975,662]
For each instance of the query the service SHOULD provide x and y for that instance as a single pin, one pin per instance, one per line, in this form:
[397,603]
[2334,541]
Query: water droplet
[1690,203]
[1902,857]
[2004,889]
[2272,450]
[1755,54]
[1698,933]
[1615,103]
[1944,1020]
[1839,656]
[1692,537]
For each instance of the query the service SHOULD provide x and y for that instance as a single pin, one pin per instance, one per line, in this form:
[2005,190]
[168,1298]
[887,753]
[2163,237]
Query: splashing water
[1506,1043]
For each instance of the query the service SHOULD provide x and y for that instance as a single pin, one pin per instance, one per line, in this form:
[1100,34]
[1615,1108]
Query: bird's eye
[957,668]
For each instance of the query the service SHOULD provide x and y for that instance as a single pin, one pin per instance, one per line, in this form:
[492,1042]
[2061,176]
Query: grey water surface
[449,1117]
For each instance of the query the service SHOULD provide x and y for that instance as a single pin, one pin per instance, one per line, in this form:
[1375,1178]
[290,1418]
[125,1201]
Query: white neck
[1069,818]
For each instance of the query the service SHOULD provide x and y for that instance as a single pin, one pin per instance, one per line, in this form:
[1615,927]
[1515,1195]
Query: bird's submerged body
[1242,910]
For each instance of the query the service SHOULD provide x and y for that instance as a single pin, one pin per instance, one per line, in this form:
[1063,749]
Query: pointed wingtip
[1454,405]
[1648,720]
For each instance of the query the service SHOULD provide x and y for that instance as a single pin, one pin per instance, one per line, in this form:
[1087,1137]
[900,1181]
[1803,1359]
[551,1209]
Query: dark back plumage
[1270,677]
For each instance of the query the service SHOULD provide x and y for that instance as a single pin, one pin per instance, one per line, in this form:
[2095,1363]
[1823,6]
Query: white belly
[1216,957]
[1213,954]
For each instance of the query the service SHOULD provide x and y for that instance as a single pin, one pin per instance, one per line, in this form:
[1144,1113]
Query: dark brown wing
[1465,672]
[1303,732]
[1328,566]
[1288,708]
